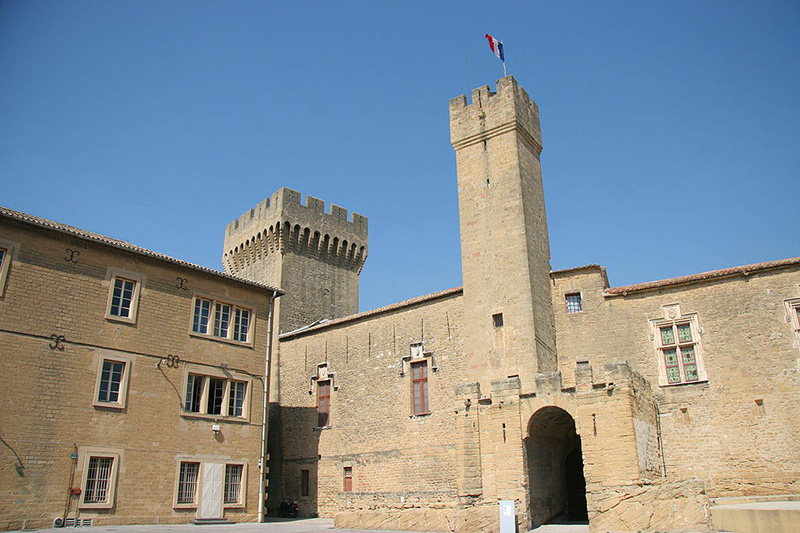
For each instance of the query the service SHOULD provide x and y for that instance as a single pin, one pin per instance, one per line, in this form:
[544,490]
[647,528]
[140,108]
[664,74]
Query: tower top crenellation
[492,113]
[288,203]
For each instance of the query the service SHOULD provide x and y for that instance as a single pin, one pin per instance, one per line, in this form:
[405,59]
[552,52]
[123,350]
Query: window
[99,478]
[419,387]
[305,483]
[227,322]
[233,484]
[497,320]
[793,314]
[215,395]
[348,479]
[123,296]
[573,302]
[112,382]
[678,344]
[187,483]
[7,251]
[323,403]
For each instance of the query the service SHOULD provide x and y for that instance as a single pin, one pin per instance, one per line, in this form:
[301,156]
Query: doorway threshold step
[211,521]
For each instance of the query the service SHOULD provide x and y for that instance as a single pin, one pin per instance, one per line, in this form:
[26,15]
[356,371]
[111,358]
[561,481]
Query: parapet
[289,202]
[494,113]
[284,223]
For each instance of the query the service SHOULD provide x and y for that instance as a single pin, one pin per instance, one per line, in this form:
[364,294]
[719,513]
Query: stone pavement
[303,525]
[306,525]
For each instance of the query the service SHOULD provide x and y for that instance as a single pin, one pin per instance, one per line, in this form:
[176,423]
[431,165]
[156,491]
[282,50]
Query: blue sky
[671,129]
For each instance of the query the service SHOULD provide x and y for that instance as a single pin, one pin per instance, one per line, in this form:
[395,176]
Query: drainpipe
[262,462]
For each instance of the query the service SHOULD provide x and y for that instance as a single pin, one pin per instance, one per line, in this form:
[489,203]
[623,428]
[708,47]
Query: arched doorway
[555,468]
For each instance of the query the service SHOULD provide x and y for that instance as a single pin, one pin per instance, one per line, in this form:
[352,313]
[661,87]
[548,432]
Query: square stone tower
[314,256]
[505,251]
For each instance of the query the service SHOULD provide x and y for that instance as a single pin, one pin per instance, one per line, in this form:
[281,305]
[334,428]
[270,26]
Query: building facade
[132,382]
[633,407]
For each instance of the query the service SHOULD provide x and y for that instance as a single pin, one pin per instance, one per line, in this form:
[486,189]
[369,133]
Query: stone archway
[555,468]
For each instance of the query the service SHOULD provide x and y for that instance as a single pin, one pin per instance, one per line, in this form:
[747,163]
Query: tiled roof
[386,309]
[574,269]
[124,245]
[703,276]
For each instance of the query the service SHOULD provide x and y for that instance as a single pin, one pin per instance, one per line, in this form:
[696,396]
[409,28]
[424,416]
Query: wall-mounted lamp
[215,428]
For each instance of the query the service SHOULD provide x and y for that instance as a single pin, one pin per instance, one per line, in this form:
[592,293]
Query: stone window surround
[323,374]
[793,315]
[123,387]
[112,275]
[216,373]
[672,317]
[11,250]
[417,354]
[85,454]
[234,307]
[203,460]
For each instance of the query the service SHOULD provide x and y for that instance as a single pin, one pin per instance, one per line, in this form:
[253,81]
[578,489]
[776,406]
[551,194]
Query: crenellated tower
[316,257]
[505,251]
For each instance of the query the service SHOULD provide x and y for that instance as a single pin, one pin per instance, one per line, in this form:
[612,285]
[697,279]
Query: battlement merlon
[286,205]
[494,113]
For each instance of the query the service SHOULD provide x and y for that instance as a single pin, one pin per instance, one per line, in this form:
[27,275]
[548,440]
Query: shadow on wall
[292,465]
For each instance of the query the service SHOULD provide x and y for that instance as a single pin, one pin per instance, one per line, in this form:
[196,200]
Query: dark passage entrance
[555,468]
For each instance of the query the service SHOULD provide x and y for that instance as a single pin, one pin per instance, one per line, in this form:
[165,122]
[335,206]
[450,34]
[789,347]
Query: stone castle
[633,407]
[139,382]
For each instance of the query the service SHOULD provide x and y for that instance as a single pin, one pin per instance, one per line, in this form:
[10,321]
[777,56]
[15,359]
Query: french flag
[496,46]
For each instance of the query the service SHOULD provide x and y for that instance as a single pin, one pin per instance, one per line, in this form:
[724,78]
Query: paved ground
[307,525]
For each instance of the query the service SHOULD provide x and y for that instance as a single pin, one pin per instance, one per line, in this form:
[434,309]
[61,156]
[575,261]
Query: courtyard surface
[308,525]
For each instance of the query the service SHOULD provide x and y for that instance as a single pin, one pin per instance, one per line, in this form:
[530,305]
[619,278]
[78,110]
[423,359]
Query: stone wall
[729,430]
[399,460]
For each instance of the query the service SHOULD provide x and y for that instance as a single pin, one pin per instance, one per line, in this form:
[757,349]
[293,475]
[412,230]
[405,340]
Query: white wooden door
[210,505]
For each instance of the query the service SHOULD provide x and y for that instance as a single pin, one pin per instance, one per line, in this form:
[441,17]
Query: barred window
[573,301]
[233,484]
[98,480]
[187,482]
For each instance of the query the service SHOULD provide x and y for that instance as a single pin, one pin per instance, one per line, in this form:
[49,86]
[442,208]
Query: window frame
[793,315]
[571,309]
[122,399]
[674,319]
[424,388]
[86,455]
[328,386]
[240,504]
[229,379]
[115,274]
[305,483]
[347,479]
[10,250]
[213,327]
[176,503]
